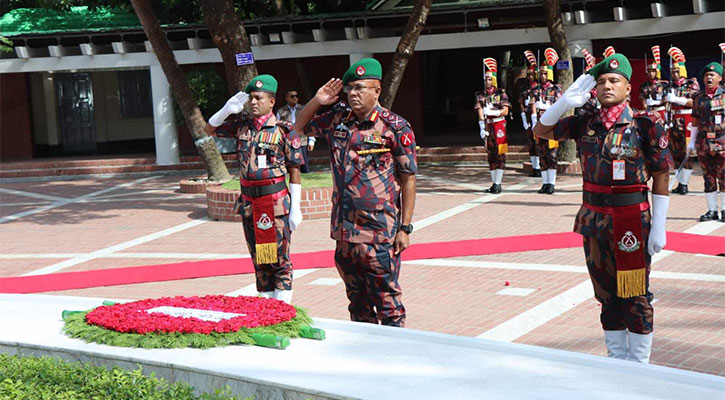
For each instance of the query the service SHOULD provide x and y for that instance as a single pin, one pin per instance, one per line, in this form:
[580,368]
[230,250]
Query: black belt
[259,191]
[613,199]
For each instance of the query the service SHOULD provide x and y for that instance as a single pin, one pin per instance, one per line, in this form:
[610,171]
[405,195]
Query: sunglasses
[293,95]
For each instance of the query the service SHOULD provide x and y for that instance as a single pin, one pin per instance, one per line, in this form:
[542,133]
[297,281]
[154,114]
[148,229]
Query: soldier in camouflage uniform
[620,149]
[492,107]
[268,150]
[682,91]
[526,116]
[708,136]
[653,91]
[543,97]
[373,159]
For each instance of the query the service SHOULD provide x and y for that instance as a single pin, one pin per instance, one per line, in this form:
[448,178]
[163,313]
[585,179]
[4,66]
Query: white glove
[540,105]
[525,121]
[693,137]
[482,127]
[491,112]
[534,119]
[234,105]
[650,102]
[576,96]
[295,214]
[674,99]
[657,236]
[526,102]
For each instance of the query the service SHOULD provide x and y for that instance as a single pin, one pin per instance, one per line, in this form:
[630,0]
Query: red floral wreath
[133,318]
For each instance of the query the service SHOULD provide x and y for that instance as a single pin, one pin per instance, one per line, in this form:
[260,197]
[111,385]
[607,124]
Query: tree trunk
[406,47]
[565,77]
[230,38]
[305,85]
[215,167]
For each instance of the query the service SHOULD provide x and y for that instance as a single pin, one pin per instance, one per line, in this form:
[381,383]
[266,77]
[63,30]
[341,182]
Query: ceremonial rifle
[668,105]
[679,171]
[485,94]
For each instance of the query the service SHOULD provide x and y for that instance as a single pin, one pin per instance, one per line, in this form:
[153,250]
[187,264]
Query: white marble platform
[362,361]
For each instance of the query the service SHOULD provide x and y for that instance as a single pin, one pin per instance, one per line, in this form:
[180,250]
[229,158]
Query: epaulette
[285,125]
[394,120]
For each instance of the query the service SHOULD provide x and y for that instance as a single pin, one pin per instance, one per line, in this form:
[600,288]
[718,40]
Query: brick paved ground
[458,296]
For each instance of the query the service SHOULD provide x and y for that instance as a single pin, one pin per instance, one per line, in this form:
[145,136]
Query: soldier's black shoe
[709,216]
[680,189]
[495,189]
[722,216]
[544,188]
[550,189]
[683,189]
[535,173]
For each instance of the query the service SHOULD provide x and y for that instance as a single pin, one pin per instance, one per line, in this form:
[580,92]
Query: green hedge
[55,379]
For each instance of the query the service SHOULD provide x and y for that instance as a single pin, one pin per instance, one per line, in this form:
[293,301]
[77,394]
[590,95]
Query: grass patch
[312,180]
[76,327]
[24,377]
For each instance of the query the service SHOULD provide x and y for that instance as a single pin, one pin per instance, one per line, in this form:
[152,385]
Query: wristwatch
[407,228]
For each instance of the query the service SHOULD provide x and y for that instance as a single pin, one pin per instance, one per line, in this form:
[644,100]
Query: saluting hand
[327,94]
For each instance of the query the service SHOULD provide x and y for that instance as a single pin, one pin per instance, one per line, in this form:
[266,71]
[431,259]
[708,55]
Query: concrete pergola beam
[58,50]
[122,47]
[659,10]
[89,49]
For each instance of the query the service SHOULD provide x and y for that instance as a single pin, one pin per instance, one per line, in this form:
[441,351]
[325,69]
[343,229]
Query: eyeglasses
[358,89]
[293,95]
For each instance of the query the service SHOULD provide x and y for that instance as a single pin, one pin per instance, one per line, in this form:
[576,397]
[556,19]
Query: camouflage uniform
[711,138]
[680,123]
[650,153]
[366,206]
[525,106]
[547,93]
[286,151]
[655,90]
[496,142]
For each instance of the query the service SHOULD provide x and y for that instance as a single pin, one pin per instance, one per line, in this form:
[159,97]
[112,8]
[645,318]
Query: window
[134,94]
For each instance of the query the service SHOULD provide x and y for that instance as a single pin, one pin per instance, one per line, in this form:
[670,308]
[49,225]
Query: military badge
[629,243]
[258,84]
[360,71]
[500,134]
[663,141]
[614,64]
[405,139]
[296,143]
[264,222]
[591,132]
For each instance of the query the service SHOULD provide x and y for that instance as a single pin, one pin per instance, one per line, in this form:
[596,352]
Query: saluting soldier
[492,107]
[654,91]
[544,96]
[680,98]
[620,150]
[708,137]
[268,150]
[373,159]
[528,119]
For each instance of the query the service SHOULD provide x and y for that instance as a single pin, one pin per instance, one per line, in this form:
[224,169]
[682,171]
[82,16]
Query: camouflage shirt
[686,87]
[498,99]
[708,111]
[547,93]
[276,142]
[656,90]
[366,195]
[647,141]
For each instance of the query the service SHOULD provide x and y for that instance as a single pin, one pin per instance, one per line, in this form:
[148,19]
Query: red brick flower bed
[315,203]
[195,185]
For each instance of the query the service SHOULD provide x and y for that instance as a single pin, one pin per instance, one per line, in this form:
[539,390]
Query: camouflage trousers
[370,273]
[533,148]
[495,159]
[272,276]
[713,169]
[548,155]
[635,313]
[678,147]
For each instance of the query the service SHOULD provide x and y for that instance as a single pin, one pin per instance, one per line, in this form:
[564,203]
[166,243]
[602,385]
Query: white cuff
[311,140]
[218,118]
[660,204]
[693,134]
[554,113]
[295,193]
[481,124]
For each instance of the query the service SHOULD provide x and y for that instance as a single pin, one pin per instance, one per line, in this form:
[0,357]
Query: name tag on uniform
[261,161]
[618,168]
[340,134]
[718,119]
[589,139]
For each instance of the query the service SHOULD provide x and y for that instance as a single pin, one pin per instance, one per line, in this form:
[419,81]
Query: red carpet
[677,241]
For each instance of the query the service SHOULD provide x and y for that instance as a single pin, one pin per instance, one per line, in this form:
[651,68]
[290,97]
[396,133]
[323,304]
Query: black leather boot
[709,216]
[550,190]
[683,189]
[544,188]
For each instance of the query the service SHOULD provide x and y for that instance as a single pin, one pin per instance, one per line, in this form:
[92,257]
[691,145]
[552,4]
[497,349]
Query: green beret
[367,68]
[714,67]
[262,83]
[614,64]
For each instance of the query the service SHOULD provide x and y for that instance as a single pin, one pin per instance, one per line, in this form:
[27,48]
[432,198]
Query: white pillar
[355,57]
[167,143]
